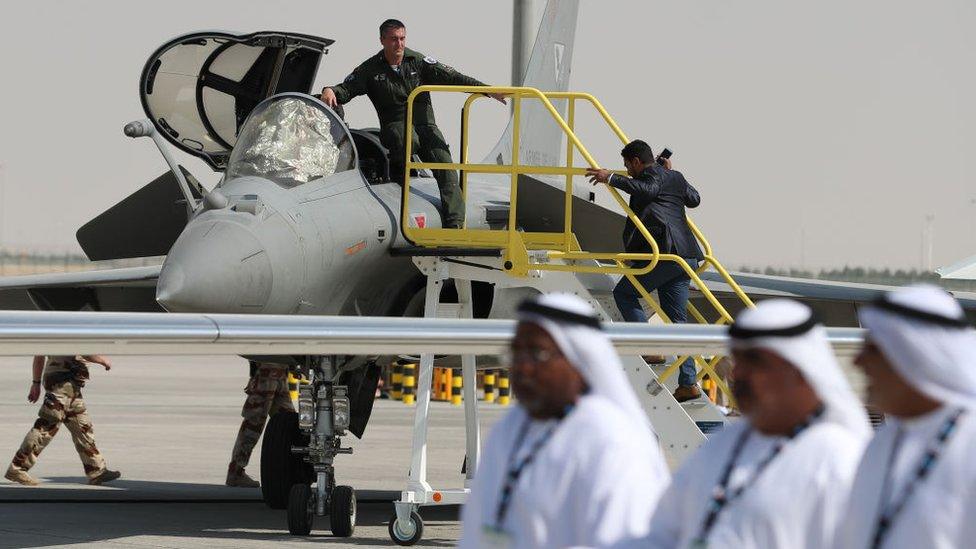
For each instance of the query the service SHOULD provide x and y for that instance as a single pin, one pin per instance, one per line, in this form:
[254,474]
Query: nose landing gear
[302,505]
[323,417]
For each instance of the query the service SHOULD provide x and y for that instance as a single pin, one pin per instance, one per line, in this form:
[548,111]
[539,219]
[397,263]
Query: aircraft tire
[409,535]
[342,511]
[301,510]
[280,469]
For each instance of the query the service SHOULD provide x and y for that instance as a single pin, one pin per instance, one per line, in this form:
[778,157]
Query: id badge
[496,538]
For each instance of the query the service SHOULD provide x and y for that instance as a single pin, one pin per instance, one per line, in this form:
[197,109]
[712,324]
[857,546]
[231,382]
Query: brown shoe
[687,392]
[106,476]
[654,359]
[236,477]
[20,477]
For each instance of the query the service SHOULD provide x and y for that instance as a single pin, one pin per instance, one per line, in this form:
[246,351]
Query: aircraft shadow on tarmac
[76,489]
[65,514]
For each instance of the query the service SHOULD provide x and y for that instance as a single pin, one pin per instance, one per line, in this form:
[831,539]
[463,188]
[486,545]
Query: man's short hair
[391,24]
[638,149]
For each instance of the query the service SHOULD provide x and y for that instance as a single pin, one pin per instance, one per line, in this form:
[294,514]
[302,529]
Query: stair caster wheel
[342,511]
[406,534]
[301,509]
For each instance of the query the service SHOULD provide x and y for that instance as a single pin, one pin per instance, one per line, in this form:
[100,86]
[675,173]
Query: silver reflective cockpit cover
[291,140]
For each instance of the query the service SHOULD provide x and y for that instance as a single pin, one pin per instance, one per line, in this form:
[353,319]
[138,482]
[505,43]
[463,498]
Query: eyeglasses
[536,356]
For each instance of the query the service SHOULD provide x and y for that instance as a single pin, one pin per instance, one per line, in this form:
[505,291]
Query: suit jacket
[659,197]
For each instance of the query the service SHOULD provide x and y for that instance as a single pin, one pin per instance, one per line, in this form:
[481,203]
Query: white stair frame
[674,423]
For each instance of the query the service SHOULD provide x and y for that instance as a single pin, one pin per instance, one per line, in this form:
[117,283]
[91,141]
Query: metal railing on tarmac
[24,333]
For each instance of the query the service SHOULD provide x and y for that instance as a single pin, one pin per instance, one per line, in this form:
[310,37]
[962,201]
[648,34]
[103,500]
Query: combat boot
[238,478]
[106,476]
[20,477]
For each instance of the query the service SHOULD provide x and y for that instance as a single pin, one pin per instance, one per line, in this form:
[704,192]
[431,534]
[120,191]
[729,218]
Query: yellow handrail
[564,245]
[514,243]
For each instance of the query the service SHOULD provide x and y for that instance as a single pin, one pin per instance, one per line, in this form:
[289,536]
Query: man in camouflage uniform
[63,378]
[267,394]
[387,78]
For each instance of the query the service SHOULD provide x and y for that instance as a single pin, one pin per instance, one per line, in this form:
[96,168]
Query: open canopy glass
[199,88]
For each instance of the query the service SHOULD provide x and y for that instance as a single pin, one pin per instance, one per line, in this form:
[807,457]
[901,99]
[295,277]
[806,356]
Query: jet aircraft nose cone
[216,266]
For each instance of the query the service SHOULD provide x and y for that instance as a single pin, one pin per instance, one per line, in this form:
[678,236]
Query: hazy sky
[819,133]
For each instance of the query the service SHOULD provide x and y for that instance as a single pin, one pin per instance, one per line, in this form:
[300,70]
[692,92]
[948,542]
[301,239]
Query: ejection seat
[374,158]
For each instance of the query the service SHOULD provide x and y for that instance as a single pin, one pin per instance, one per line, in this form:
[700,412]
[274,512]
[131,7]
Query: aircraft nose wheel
[406,534]
[343,511]
[301,509]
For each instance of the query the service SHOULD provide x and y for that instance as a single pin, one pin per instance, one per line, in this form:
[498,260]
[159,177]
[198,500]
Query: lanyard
[721,496]
[515,470]
[889,512]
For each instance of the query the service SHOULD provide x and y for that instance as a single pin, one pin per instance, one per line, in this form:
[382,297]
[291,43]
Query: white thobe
[941,512]
[794,503]
[593,483]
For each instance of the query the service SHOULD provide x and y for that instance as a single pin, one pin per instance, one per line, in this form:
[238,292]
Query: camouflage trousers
[62,405]
[267,393]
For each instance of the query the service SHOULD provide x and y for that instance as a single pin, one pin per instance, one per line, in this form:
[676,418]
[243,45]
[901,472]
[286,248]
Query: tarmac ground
[168,424]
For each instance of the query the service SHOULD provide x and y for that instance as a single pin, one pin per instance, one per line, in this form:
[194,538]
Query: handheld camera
[665,154]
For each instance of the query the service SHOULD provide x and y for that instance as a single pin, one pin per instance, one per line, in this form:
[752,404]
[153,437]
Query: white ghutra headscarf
[790,329]
[575,328]
[923,333]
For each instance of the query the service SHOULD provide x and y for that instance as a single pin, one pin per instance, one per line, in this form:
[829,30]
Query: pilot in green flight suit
[388,78]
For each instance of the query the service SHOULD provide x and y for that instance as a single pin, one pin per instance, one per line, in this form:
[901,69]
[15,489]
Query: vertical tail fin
[549,67]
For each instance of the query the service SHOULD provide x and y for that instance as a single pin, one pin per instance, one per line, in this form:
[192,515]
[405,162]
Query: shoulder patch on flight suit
[431,60]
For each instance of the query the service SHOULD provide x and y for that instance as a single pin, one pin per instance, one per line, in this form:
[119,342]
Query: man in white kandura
[576,463]
[780,478]
[916,486]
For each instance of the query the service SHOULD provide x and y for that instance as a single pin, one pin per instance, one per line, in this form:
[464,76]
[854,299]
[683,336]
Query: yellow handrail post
[516,256]
[568,212]
[516,140]
[464,158]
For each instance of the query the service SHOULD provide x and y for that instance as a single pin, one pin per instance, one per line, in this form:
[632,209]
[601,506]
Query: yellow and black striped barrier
[293,387]
[489,385]
[447,385]
[504,392]
[409,384]
[396,382]
[456,386]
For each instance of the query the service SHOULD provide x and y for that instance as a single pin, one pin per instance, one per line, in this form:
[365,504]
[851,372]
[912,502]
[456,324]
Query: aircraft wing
[835,302]
[130,289]
[961,270]
[597,228]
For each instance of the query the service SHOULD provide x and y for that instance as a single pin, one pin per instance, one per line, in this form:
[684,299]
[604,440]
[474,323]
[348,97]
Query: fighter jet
[306,219]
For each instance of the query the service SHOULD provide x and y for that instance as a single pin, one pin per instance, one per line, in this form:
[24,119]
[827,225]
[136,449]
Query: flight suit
[267,393]
[388,89]
[64,376]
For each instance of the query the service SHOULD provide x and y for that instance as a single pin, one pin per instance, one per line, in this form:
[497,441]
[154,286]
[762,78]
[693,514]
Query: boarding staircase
[513,259]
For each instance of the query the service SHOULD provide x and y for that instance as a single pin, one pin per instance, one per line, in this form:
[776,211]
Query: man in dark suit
[658,196]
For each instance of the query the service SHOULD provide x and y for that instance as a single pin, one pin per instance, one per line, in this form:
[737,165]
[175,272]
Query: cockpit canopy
[291,139]
[199,88]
